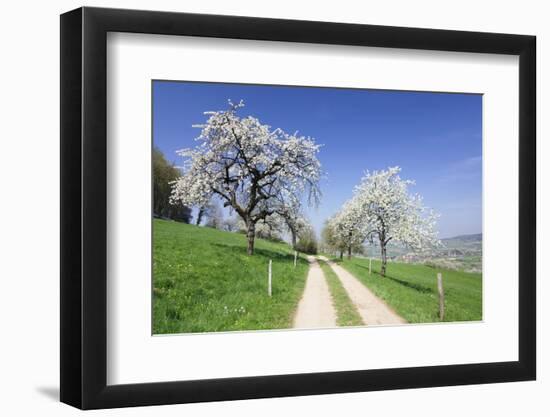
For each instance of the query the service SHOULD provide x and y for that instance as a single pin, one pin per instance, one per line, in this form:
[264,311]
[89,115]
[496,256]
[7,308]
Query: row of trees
[164,174]
[273,227]
[263,175]
[381,211]
[298,228]
[260,173]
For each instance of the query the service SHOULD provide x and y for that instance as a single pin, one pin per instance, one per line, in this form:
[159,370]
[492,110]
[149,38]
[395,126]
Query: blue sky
[436,138]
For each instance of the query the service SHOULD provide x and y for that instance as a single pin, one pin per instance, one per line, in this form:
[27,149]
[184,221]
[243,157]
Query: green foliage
[330,241]
[163,174]
[307,243]
[411,289]
[203,281]
[346,312]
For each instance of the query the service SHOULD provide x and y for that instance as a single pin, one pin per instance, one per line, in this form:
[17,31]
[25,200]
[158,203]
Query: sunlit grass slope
[411,290]
[203,281]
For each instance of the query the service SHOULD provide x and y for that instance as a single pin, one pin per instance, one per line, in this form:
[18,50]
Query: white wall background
[29,213]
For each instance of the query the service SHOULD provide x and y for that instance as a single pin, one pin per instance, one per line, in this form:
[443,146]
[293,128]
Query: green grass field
[346,313]
[203,281]
[411,290]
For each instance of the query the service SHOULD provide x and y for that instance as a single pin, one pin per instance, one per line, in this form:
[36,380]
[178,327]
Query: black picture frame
[84,207]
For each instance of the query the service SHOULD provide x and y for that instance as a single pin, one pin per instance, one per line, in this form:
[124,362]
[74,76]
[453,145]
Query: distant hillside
[465,238]
[463,252]
[467,243]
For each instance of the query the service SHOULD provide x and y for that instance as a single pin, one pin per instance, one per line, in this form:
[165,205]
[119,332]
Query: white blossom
[251,167]
[383,210]
[348,225]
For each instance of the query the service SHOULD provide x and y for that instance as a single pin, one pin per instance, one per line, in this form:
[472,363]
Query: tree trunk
[293,239]
[250,234]
[199,215]
[349,245]
[341,254]
[384,258]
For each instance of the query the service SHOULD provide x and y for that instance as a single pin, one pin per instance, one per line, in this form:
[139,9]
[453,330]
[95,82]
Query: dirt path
[372,309]
[315,308]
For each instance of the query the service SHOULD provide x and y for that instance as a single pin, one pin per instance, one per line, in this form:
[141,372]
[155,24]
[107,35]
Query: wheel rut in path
[315,309]
[372,309]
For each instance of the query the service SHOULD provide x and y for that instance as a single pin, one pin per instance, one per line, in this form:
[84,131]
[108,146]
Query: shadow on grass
[239,250]
[417,287]
[364,267]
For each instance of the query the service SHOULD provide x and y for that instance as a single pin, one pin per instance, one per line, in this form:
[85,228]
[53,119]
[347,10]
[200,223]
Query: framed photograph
[257,208]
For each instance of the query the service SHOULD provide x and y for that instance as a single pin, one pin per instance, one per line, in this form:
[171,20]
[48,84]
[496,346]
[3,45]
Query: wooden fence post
[295,257]
[269,279]
[441,296]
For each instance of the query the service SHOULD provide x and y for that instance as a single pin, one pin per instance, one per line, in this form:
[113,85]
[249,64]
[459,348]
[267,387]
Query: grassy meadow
[411,290]
[203,281]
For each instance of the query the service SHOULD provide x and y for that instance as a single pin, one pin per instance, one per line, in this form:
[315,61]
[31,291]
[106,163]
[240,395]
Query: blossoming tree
[271,227]
[249,166]
[348,226]
[331,240]
[390,212]
[291,214]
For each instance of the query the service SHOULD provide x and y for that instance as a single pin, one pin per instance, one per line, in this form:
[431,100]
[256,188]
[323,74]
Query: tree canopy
[252,168]
[164,174]
[383,210]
